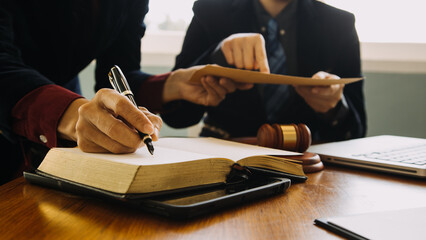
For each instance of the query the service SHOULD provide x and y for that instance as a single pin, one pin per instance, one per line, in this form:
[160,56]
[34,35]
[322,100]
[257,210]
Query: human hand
[108,123]
[209,91]
[321,98]
[246,51]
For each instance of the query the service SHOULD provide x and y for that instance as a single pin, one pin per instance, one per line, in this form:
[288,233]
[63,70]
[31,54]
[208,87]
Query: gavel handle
[247,140]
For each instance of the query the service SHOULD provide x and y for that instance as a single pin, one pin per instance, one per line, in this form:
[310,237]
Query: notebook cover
[271,173]
[57,183]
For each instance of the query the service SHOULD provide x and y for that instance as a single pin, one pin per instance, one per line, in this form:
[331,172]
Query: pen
[119,83]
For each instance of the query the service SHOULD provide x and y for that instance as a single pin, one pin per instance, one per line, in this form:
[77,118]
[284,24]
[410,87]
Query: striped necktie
[274,96]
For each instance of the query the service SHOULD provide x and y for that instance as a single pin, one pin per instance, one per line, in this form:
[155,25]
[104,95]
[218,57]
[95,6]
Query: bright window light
[169,15]
[387,20]
[376,20]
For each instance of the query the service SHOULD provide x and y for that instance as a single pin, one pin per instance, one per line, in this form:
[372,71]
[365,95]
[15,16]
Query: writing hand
[209,91]
[246,51]
[321,98]
[107,123]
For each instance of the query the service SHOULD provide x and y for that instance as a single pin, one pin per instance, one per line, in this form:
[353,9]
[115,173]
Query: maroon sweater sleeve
[37,114]
[150,94]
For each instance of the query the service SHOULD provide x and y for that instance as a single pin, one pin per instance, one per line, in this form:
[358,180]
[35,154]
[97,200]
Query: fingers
[209,91]
[260,56]
[321,98]
[248,55]
[155,120]
[246,51]
[214,92]
[102,126]
[224,86]
[121,106]
[319,91]
[326,90]
[231,86]
[303,90]
[108,122]
[228,52]
[324,75]
[236,52]
[244,86]
[216,89]
[91,139]
[239,55]
[320,75]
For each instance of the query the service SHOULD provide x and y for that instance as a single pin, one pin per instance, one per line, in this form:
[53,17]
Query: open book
[177,163]
[248,76]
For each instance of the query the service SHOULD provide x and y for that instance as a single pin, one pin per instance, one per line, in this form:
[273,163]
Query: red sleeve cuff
[150,94]
[36,115]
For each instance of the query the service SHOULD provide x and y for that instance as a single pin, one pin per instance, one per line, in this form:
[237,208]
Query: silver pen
[119,83]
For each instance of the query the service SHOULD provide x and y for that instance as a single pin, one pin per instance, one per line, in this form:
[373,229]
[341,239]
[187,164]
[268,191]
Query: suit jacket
[50,42]
[327,41]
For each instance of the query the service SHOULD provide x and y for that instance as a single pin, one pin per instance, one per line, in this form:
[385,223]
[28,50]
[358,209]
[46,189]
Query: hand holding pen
[107,123]
[119,83]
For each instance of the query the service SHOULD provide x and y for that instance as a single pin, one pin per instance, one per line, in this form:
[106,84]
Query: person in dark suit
[43,47]
[316,40]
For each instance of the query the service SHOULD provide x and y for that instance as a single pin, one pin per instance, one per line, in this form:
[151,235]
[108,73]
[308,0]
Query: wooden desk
[32,212]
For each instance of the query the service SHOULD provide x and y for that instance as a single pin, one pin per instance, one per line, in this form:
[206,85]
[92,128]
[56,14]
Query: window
[389,31]
[166,21]
[376,21]
[387,20]
[169,15]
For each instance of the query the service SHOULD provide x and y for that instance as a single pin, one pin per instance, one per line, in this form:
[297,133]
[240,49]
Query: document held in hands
[178,163]
[248,76]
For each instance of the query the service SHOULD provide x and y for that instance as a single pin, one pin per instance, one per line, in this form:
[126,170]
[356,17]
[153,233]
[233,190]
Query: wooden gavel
[291,137]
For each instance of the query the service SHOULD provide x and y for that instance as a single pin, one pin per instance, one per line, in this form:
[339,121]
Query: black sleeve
[16,78]
[125,52]
[349,65]
[196,50]
[339,54]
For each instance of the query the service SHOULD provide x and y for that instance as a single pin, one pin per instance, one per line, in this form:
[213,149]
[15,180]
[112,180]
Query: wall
[396,104]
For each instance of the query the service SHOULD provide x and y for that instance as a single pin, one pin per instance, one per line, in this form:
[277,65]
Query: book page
[161,155]
[249,76]
[219,148]
[175,150]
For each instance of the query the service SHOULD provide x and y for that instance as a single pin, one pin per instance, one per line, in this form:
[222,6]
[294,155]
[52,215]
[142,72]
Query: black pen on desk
[119,83]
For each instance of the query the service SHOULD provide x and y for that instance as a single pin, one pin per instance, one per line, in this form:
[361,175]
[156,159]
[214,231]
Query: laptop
[393,154]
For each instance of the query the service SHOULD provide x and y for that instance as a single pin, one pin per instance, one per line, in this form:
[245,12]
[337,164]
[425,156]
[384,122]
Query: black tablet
[182,204]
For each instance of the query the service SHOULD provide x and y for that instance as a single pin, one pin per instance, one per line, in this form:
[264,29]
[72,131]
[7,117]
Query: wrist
[171,90]
[66,126]
[337,114]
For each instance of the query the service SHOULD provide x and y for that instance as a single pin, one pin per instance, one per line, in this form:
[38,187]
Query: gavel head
[291,137]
